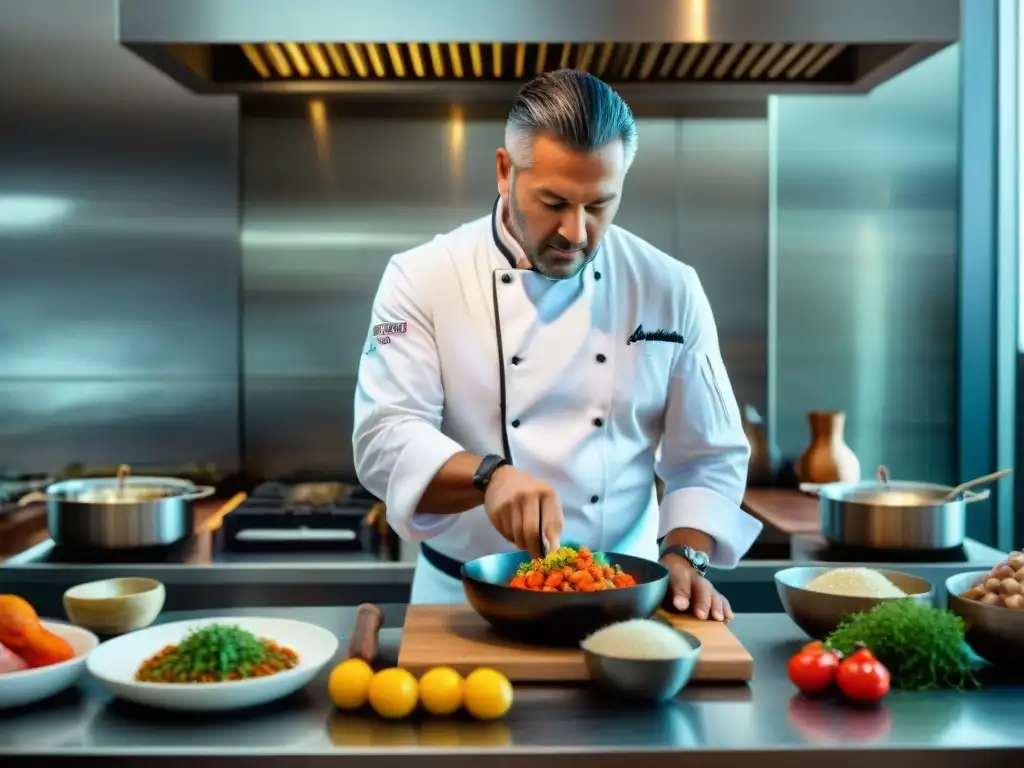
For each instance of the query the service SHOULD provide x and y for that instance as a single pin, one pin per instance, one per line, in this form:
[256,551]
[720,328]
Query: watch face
[699,560]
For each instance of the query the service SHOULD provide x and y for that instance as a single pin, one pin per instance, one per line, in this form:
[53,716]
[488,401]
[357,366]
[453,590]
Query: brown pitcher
[828,459]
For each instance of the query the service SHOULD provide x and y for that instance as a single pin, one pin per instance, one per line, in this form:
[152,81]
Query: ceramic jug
[828,459]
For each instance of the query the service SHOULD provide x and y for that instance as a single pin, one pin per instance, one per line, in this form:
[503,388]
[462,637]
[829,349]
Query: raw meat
[10,661]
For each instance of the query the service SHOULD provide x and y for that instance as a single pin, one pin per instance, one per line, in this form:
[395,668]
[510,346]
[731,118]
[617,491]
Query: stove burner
[170,554]
[813,548]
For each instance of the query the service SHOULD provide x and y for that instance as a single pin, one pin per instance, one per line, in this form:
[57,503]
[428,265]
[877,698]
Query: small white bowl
[115,663]
[115,606]
[31,685]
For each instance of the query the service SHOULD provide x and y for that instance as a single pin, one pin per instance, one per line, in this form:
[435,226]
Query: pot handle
[969,496]
[200,492]
[810,488]
[38,497]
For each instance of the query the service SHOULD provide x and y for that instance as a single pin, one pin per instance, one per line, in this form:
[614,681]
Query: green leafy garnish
[215,652]
[922,647]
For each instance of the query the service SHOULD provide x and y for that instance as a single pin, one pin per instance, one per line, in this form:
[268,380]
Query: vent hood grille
[282,62]
[655,51]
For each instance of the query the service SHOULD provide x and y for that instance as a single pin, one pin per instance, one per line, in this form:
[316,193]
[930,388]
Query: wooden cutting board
[458,637]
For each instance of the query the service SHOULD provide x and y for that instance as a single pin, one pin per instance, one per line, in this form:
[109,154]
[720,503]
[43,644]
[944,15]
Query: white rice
[855,582]
[638,639]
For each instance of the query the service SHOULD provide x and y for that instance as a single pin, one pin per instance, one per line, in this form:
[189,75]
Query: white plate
[116,661]
[31,685]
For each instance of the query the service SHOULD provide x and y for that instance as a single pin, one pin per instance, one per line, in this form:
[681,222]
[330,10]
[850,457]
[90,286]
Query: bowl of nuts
[991,603]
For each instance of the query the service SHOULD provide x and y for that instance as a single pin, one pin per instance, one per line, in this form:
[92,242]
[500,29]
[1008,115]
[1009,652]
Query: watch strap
[697,559]
[485,470]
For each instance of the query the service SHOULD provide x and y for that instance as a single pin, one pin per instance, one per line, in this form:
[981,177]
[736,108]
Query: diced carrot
[623,580]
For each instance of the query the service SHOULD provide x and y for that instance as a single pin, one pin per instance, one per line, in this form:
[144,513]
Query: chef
[528,374]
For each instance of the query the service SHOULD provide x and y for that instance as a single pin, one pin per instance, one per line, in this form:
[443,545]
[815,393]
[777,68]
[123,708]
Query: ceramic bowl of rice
[817,598]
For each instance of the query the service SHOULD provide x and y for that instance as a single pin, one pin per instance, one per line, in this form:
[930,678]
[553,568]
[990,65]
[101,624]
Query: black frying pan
[559,618]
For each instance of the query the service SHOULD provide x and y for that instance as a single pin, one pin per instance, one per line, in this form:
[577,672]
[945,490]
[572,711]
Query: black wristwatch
[486,470]
[699,560]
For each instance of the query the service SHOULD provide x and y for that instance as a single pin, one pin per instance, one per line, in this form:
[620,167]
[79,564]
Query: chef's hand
[524,510]
[689,591]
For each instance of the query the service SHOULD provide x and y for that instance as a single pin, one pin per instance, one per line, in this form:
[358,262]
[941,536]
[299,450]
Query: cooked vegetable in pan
[570,570]
[214,654]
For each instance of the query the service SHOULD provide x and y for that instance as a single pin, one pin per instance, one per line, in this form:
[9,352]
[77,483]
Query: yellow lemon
[488,694]
[441,691]
[394,693]
[349,684]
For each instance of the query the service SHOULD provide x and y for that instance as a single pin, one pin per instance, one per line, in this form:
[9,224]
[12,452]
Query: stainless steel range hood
[654,49]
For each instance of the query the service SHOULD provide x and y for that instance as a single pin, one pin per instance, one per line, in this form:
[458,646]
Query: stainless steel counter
[763,724]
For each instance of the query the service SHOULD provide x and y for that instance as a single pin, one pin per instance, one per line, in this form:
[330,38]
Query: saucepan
[897,515]
[559,618]
[120,512]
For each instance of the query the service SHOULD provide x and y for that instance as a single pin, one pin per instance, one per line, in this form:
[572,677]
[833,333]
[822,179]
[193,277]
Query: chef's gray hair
[575,107]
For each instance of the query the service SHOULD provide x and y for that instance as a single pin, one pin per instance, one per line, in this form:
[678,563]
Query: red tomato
[813,670]
[862,678]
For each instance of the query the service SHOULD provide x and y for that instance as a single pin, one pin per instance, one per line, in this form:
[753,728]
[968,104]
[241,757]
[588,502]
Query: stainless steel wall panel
[50,422]
[119,255]
[867,197]
[650,194]
[328,199]
[722,231]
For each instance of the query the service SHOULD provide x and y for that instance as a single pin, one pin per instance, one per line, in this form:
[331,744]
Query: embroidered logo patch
[383,332]
[659,335]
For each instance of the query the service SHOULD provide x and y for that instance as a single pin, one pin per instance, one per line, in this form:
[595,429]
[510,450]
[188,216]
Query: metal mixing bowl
[559,618]
[818,613]
[995,633]
[644,679]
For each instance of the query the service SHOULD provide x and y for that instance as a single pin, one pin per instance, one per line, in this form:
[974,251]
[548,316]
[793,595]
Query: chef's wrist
[689,537]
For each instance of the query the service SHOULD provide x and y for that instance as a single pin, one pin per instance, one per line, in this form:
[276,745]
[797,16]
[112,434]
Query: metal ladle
[983,480]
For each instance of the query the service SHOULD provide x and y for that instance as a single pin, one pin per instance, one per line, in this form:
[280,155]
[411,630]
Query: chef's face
[560,206]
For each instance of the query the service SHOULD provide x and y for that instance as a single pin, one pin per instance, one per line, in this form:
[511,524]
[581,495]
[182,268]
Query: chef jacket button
[516,360]
[601,358]
[597,275]
[506,278]
[594,499]
[598,422]
[515,423]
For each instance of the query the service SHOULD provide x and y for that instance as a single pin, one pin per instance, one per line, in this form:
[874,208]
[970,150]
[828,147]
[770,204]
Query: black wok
[559,618]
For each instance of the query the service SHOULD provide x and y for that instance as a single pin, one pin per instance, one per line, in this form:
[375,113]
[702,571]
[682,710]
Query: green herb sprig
[922,647]
[216,649]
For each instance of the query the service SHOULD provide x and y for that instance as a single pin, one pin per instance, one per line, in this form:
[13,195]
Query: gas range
[301,516]
[278,522]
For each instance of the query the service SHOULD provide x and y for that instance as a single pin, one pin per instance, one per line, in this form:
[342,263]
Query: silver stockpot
[100,513]
[897,515]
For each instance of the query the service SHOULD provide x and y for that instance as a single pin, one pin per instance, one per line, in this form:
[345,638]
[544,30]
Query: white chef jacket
[599,382]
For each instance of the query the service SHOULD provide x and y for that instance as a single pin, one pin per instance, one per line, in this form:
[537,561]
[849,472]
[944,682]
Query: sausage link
[365,634]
